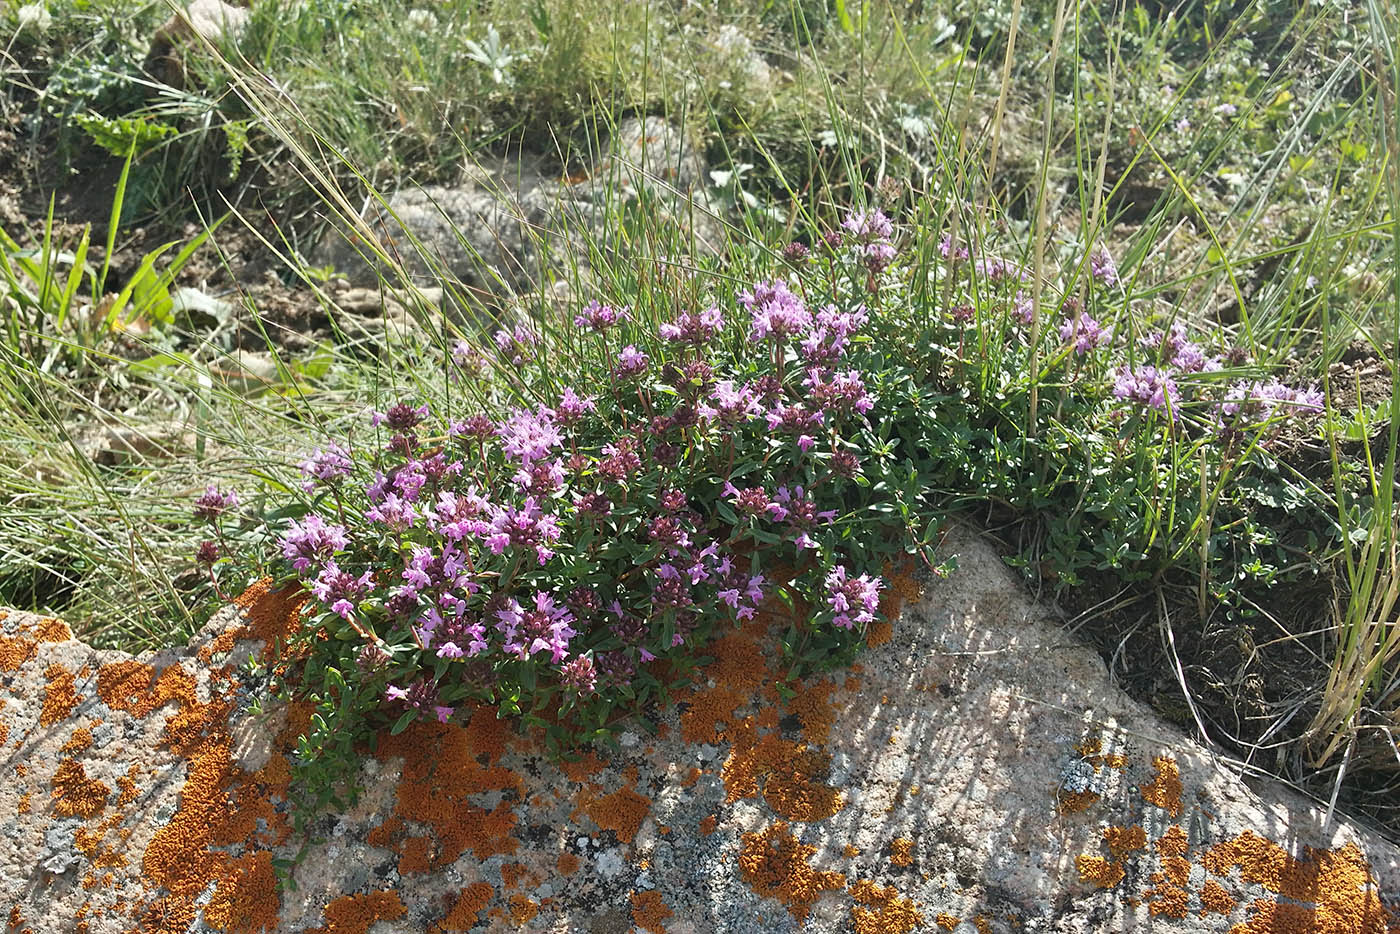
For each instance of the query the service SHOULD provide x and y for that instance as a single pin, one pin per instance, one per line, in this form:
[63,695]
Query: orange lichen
[17,649]
[270,616]
[707,712]
[127,785]
[649,912]
[739,662]
[245,900]
[134,687]
[220,805]
[622,812]
[1165,788]
[1124,840]
[1176,870]
[568,864]
[75,794]
[1095,870]
[415,854]
[467,909]
[1166,899]
[60,695]
[812,705]
[1173,843]
[80,740]
[901,587]
[1074,802]
[707,825]
[879,632]
[221,644]
[850,851]
[1214,898]
[441,772]
[512,874]
[1337,883]
[946,921]
[776,865]
[1168,896]
[353,914]
[522,910]
[902,851]
[885,911]
[582,768]
[787,775]
[23,805]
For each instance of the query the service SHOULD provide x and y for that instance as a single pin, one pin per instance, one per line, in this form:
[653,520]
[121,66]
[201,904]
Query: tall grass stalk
[1368,631]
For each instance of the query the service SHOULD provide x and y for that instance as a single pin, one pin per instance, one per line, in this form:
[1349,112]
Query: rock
[995,780]
[501,228]
[111,445]
[200,21]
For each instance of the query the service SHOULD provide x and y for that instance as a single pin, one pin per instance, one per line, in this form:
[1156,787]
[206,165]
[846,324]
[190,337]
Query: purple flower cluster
[1250,406]
[631,363]
[526,526]
[544,628]
[599,317]
[325,467]
[309,544]
[1102,267]
[775,312]
[854,600]
[871,231]
[1085,333]
[549,552]
[1148,386]
[1177,350]
[339,590]
[518,345]
[213,503]
[694,327]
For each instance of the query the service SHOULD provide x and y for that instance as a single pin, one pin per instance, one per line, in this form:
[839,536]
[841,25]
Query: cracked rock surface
[975,772]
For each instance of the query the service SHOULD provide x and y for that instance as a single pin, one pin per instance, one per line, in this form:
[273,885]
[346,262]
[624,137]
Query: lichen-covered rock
[976,772]
[508,220]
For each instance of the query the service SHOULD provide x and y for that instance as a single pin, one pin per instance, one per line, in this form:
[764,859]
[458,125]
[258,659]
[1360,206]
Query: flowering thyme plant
[564,560]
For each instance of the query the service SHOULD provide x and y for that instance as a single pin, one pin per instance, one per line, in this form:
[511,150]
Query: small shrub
[567,561]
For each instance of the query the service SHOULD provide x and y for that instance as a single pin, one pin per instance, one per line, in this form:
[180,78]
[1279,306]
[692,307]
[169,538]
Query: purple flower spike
[325,467]
[580,674]
[855,600]
[213,503]
[1085,333]
[571,408]
[1102,267]
[631,363]
[1148,386]
[312,542]
[599,317]
[776,313]
[696,328]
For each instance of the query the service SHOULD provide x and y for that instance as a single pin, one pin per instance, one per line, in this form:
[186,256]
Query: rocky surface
[495,231]
[976,772]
